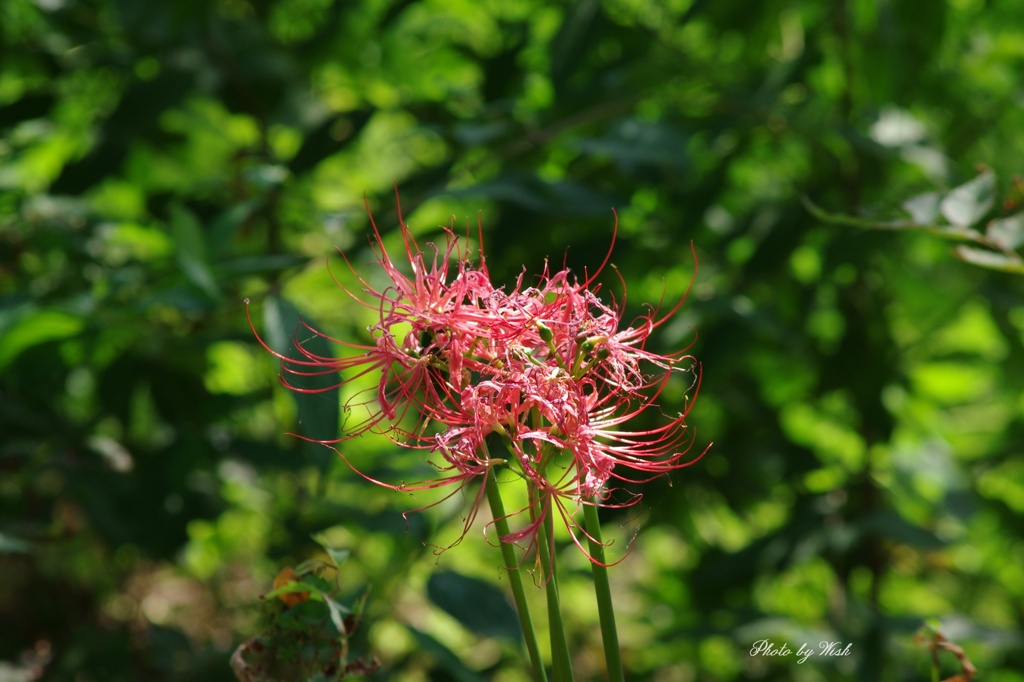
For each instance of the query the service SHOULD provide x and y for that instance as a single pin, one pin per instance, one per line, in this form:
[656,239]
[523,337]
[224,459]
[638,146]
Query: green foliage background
[160,162]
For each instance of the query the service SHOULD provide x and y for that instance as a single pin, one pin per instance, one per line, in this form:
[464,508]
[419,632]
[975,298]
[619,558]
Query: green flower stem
[561,661]
[603,592]
[515,578]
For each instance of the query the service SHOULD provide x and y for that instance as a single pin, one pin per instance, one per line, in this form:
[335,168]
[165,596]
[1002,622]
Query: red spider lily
[550,369]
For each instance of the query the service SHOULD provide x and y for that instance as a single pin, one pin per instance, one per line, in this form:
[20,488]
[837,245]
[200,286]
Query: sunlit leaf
[339,556]
[968,203]
[924,208]
[1007,233]
[993,260]
[41,326]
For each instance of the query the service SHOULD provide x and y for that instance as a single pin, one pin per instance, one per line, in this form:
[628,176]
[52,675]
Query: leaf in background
[537,195]
[386,521]
[952,232]
[575,36]
[854,221]
[445,658]
[338,613]
[329,137]
[990,259]
[892,526]
[338,556]
[190,246]
[634,144]
[261,265]
[285,579]
[968,203]
[480,606]
[476,132]
[924,208]
[223,228]
[126,240]
[34,329]
[317,399]
[136,119]
[1007,233]
[12,545]
[267,177]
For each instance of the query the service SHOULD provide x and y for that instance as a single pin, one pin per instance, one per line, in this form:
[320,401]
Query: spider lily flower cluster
[546,367]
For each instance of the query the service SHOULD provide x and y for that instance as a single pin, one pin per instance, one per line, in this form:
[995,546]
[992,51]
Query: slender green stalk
[515,578]
[561,660]
[603,592]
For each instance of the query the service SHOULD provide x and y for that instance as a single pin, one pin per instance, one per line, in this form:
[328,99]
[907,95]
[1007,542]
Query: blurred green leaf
[261,265]
[338,613]
[143,242]
[634,144]
[12,545]
[387,521]
[892,526]
[35,328]
[571,42]
[338,556]
[267,177]
[445,658]
[553,198]
[480,606]
[190,247]
[317,397]
[328,137]
[224,228]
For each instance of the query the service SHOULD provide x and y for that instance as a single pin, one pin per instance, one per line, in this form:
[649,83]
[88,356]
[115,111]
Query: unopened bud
[546,335]
[591,343]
